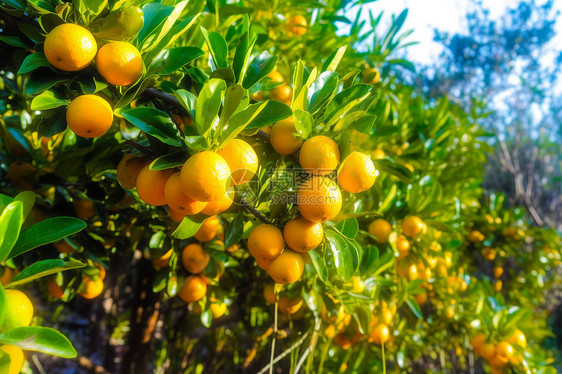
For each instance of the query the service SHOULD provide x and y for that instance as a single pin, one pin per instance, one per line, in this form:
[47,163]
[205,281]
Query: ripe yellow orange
[487,351]
[18,310]
[217,309]
[164,260]
[120,63]
[193,289]
[205,176]
[89,116]
[128,170]
[421,298]
[176,216]
[496,370]
[55,290]
[498,361]
[91,288]
[242,160]
[290,305]
[518,338]
[319,199]
[296,25]
[287,267]
[16,358]
[319,155]
[276,77]
[380,334]
[84,209]
[498,271]
[504,350]
[269,293]
[475,236]
[194,258]
[498,286]
[302,235]
[282,93]
[371,75]
[489,253]
[263,262]
[477,342]
[412,226]
[70,47]
[151,185]
[7,275]
[208,229]
[357,173]
[265,242]
[282,137]
[403,246]
[380,229]
[378,154]
[219,204]
[177,200]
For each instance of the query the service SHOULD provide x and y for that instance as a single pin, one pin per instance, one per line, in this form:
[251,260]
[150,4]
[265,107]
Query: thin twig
[289,350]
[254,211]
[147,151]
[275,318]
[153,92]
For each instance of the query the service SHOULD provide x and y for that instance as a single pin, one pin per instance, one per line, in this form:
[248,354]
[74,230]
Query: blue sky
[446,15]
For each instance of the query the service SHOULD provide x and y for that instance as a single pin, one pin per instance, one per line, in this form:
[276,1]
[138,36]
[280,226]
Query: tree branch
[254,211]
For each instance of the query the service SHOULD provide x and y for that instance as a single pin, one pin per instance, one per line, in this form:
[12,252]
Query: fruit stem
[275,315]
[153,92]
[254,211]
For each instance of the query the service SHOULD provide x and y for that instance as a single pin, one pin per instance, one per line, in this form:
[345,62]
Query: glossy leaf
[217,47]
[188,227]
[154,122]
[11,220]
[170,60]
[261,66]
[42,269]
[32,62]
[39,339]
[234,231]
[208,105]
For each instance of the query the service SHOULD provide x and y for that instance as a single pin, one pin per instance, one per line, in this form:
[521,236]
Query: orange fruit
[498,271]
[518,338]
[378,154]
[176,216]
[287,267]
[412,226]
[477,342]
[151,185]
[498,286]
[101,270]
[296,25]
[91,288]
[319,199]
[290,305]
[475,236]
[18,310]
[282,137]
[346,342]
[89,116]
[84,209]
[498,361]
[7,275]
[489,253]
[421,298]
[496,370]
[242,160]
[217,309]
[164,260]
[269,293]
[302,235]
[16,358]
[504,350]
[380,334]
[128,170]
[282,93]
[120,63]
[319,155]
[380,229]
[63,247]
[205,176]
[487,351]
[70,47]
[357,173]
[194,258]
[55,290]
[265,242]
[371,75]
[276,77]
[179,201]
[208,229]
[263,262]
[193,289]
[219,204]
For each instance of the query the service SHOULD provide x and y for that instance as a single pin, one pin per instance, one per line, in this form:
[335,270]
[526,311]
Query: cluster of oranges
[281,92]
[500,354]
[70,47]
[18,312]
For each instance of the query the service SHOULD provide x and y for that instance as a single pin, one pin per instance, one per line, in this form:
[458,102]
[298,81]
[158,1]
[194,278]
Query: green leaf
[348,227]
[414,307]
[240,121]
[234,231]
[18,4]
[232,101]
[242,56]
[321,90]
[40,80]
[42,269]
[2,304]
[45,232]
[207,318]
[154,16]
[48,100]
[11,220]
[341,253]
[261,66]
[170,60]
[217,47]
[319,264]
[332,62]
[15,41]
[187,100]
[390,167]
[273,112]
[32,62]
[28,200]
[155,123]
[165,33]
[171,160]
[39,339]
[188,227]
[208,105]
[303,123]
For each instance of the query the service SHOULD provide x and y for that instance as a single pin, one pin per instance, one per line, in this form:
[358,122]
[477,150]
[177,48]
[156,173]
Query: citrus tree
[261,192]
